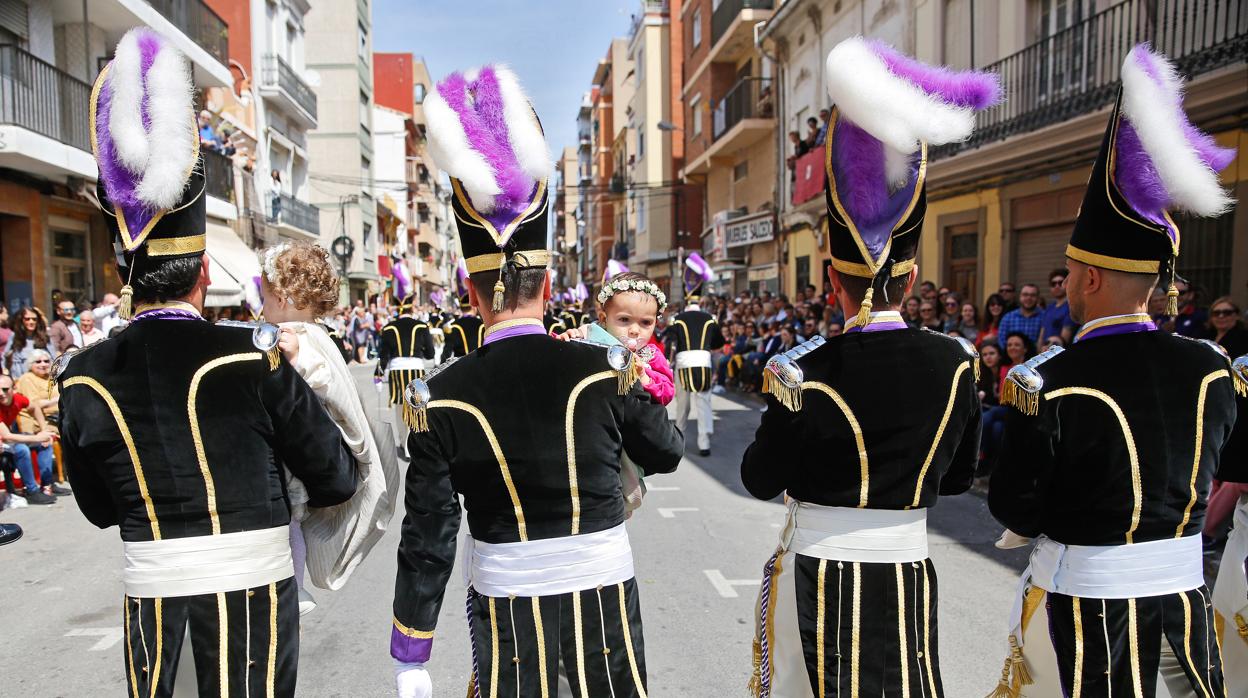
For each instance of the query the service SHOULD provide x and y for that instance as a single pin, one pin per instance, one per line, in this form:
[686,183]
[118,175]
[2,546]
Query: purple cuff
[406,648]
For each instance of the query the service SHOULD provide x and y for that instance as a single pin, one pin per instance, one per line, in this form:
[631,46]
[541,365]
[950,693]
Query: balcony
[1076,71]
[44,127]
[743,117]
[218,175]
[280,83]
[291,214]
[200,24]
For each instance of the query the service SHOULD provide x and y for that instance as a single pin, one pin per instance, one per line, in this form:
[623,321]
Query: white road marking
[670,512]
[725,586]
[108,637]
[661,488]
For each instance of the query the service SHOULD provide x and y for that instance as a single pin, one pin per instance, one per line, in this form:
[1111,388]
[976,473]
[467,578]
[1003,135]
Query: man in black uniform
[529,431]
[695,334]
[1108,459]
[176,430]
[552,320]
[864,431]
[466,333]
[406,352]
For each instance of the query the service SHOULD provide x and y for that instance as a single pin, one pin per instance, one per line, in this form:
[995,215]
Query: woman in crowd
[1018,348]
[928,317]
[910,312]
[951,315]
[989,385]
[30,334]
[6,334]
[41,392]
[968,323]
[994,310]
[1226,326]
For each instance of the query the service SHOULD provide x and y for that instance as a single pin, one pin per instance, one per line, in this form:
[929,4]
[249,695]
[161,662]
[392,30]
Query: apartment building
[1000,207]
[613,86]
[53,239]
[341,145]
[729,139]
[565,217]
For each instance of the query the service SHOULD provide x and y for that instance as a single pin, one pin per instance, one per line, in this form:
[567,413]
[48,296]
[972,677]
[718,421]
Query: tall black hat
[146,144]
[888,109]
[484,133]
[1152,160]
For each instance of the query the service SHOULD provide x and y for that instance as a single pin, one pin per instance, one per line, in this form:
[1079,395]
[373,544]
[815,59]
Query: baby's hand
[645,378]
[288,342]
[574,333]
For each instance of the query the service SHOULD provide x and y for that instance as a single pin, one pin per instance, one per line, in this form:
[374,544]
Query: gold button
[251,592]
[599,587]
[920,655]
[606,650]
[515,660]
[144,670]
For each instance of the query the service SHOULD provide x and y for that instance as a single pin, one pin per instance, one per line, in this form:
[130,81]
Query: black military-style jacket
[177,428]
[554,324]
[694,330]
[887,420]
[529,430]
[1124,444]
[570,319]
[404,336]
[464,335]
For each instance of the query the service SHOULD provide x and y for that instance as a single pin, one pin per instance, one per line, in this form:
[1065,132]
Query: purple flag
[436,296]
[582,293]
[461,278]
[402,282]
[252,296]
[614,266]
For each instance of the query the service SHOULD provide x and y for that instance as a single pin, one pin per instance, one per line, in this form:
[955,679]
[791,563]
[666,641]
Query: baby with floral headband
[628,310]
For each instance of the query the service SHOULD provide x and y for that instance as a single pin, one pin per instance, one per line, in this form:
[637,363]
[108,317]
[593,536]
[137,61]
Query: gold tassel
[975,367]
[627,377]
[1172,300]
[1003,689]
[275,358]
[125,306]
[416,419]
[1022,675]
[791,398]
[472,685]
[755,685]
[864,310]
[499,291]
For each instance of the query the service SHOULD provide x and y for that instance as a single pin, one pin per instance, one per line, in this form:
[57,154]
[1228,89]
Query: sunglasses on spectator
[927,310]
[1222,312]
[5,390]
[1056,282]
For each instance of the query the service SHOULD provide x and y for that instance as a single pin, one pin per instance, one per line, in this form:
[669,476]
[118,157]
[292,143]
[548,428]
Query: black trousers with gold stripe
[831,628]
[245,642]
[519,643]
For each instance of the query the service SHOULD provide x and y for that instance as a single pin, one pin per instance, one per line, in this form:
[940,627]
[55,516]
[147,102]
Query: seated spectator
[6,333]
[1157,307]
[928,317]
[1192,320]
[1226,327]
[910,312]
[834,329]
[952,312]
[63,331]
[23,446]
[967,326]
[1018,348]
[31,333]
[39,391]
[105,313]
[810,328]
[989,386]
[1056,314]
[87,330]
[994,311]
[1052,341]
[1027,319]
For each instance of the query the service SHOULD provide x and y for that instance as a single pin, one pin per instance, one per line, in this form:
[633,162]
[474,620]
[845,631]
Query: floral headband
[643,285]
[270,261]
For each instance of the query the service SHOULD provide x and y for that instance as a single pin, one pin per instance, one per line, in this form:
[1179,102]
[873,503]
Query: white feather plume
[1155,109]
[525,134]
[451,152]
[891,108]
[172,134]
[125,117]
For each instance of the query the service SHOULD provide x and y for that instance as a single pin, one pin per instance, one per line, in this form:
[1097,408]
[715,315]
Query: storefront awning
[232,266]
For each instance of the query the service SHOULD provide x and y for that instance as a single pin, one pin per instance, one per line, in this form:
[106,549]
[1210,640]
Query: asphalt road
[700,543]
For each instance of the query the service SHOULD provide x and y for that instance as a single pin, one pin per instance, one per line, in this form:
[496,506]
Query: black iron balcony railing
[37,96]
[199,23]
[278,73]
[1076,70]
[750,98]
[288,210]
[218,174]
[728,10]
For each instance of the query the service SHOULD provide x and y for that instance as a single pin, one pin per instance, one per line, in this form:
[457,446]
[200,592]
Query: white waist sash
[1154,568]
[206,564]
[856,535]
[407,363]
[694,358]
[549,566]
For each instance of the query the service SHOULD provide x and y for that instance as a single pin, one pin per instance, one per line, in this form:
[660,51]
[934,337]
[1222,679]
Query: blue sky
[553,45]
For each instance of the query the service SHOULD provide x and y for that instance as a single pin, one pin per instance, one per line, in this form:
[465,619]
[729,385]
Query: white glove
[413,680]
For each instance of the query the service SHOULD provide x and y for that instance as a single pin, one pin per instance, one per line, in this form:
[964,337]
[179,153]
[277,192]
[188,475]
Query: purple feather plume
[1137,176]
[479,106]
[861,183]
[965,89]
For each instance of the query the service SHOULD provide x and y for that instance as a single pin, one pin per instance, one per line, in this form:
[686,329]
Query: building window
[962,259]
[641,214]
[803,273]
[695,119]
[741,170]
[695,23]
[69,264]
[641,143]
[364,110]
[363,44]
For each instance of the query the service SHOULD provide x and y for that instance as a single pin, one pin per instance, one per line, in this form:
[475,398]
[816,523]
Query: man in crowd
[1108,460]
[26,448]
[695,334]
[859,459]
[63,331]
[484,428]
[1192,320]
[1008,294]
[466,333]
[1055,318]
[406,351]
[176,430]
[1026,319]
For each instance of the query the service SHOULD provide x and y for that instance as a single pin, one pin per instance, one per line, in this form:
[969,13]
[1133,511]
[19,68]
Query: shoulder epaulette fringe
[626,377]
[416,398]
[1023,383]
[275,358]
[1239,375]
[782,377]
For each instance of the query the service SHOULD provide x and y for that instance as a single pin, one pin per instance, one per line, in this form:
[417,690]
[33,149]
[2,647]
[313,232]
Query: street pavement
[699,539]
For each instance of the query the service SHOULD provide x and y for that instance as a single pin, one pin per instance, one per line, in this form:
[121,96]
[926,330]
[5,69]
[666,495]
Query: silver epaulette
[782,377]
[1023,383]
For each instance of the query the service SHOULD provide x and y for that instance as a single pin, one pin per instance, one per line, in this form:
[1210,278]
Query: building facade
[341,145]
[607,220]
